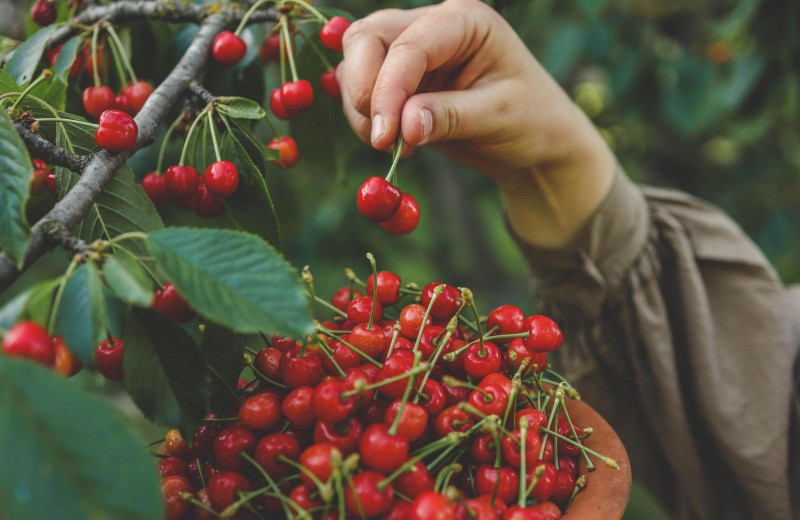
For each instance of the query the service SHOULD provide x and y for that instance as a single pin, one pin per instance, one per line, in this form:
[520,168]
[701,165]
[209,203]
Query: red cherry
[97,100]
[432,506]
[382,451]
[297,95]
[298,407]
[518,352]
[483,449]
[405,219]
[364,497]
[329,405]
[182,181]
[155,186]
[487,477]
[479,364]
[544,335]
[512,450]
[88,64]
[268,361]
[481,509]
[50,181]
[413,421]
[260,412]
[429,343]
[230,443]
[271,49]
[222,178]
[371,342]
[271,447]
[65,362]
[203,443]
[490,400]
[301,500]
[359,309]
[28,339]
[358,378]
[288,155]
[108,358]
[138,94]
[344,436]
[399,510]
[509,319]
[44,12]
[433,397]
[452,419]
[168,302]
[565,485]
[278,105]
[300,367]
[343,296]
[499,380]
[176,445]
[446,304]
[547,482]
[122,103]
[203,513]
[411,320]
[171,489]
[564,447]
[388,287]
[228,49]
[283,343]
[170,466]
[316,459]
[536,419]
[378,199]
[224,487]
[330,85]
[40,173]
[415,480]
[455,394]
[332,33]
[206,204]
[117,131]
[395,365]
[517,512]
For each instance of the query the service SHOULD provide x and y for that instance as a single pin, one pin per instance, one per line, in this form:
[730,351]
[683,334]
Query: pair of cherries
[131,98]
[381,201]
[187,188]
[29,340]
[44,178]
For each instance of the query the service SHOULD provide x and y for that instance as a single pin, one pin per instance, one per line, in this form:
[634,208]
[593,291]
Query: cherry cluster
[399,407]
[187,188]
[381,201]
[44,178]
[29,340]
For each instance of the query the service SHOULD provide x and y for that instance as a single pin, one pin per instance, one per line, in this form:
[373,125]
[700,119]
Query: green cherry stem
[356,349]
[95,68]
[189,135]
[406,394]
[315,48]
[608,461]
[44,76]
[558,396]
[329,354]
[308,7]
[212,128]
[246,456]
[263,377]
[371,259]
[410,374]
[117,58]
[439,289]
[398,150]
[523,433]
[75,122]
[123,55]
[162,152]
[589,464]
[395,335]
[248,14]
[288,38]
[282,50]
[327,305]
[451,327]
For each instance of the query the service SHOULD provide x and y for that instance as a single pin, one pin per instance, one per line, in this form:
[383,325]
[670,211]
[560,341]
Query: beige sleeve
[681,332]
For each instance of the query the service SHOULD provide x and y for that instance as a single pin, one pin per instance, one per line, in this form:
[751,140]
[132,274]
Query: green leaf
[165,371]
[243,108]
[66,57]
[234,278]
[82,317]
[26,58]
[7,83]
[39,303]
[67,454]
[250,207]
[224,352]
[127,279]
[267,154]
[16,174]
[52,92]
[11,312]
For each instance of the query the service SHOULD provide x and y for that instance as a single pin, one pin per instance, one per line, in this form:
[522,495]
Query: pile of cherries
[399,407]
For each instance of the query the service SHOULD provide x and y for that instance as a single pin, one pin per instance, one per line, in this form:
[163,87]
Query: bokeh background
[699,95]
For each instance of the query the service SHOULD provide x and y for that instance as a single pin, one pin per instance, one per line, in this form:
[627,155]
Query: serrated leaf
[127,279]
[234,278]
[165,371]
[16,173]
[243,108]
[67,454]
[82,317]
[224,352]
[250,207]
[66,57]
[26,58]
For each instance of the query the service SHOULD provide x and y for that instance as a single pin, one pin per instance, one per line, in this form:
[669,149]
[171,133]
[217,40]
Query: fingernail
[427,123]
[378,128]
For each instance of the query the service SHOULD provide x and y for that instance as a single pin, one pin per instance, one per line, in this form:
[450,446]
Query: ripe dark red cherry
[544,335]
[297,95]
[344,436]
[28,339]
[413,421]
[378,199]
[44,12]
[171,489]
[359,309]
[260,412]
[168,302]
[388,287]
[117,131]
[108,358]
[206,204]
[182,181]
[509,319]
[288,155]
[97,100]
[222,178]
[371,342]
[317,459]
[300,367]
[138,94]
[40,173]
[364,497]
[155,186]
[342,297]
[328,403]
[479,361]
[382,451]
[411,320]
[512,451]
[230,443]
[271,49]
[332,33]
[271,447]
[432,506]
[415,481]
[228,49]
[487,476]
[298,407]
[446,304]
[278,106]
[330,85]
[405,219]
[122,103]
[223,488]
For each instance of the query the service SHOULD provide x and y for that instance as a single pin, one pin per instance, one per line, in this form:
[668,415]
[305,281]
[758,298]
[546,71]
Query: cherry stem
[315,48]
[283,458]
[356,349]
[371,259]
[189,136]
[248,14]
[282,49]
[398,150]
[406,394]
[285,29]
[115,53]
[553,411]
[444,476]
[310,9]
[439,289]
[329,354]
[95,68]
[608,461]
[418,456]
[211,125]
[261,376]
[410,374]
[76,122]
[124,56]
[580,483]
[44,76]
[496,422]
[589,464]
[189,498]
[512,398]
[434,359]
[395,335]
[326,304]
[535,480]
[164,144]
[283,498]
[523,433]
[482,351]
[222,380]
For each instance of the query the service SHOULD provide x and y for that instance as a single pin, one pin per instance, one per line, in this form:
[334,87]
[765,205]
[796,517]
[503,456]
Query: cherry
[300,496]
[222,178]
[481,509]
[40,173]
[65,362]
[28,339]
[300,367]
[455,394]
[283,343]
[428,342]
[278,105]
[411,320]
[168,302]
[271,447]
[117,131]
[138,94]
[122,103]
[268,361]
[433,397]
[446,304]
[357,378]
[182,181]
[517,512]
[97,100]
[509,319]
[511,449]
[297,95]
[108,358]
[413,421]
[332,33]
[343,296]
[452,419]
[378,199]
[388,288]
[405,219]
[271,49]
[499,380]
[344,356]
[288,155]
[565,484]
[549,450]
[487,478]
[230,443]
[359,309]
[381,450]
[44,12]
[344,436]
[171,488]
[328,403]
[364,498]
[330,85]
[205,203]
[371,342]
[564,447]
[480,361]
[415,480]
[489,400]
[203,443]
[569,465]
[483,449]
[298,407]
[260,412]
[155,186]
[395,365]
[203,513]
[536,419]
[432,506]
[544,335]
[170,466]
[176,445]
[50,181]
[228,49]
[316,459]
[224,487]
[518,352]
[547,482]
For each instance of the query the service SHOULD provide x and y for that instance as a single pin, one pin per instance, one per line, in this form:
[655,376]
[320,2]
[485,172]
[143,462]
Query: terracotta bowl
[607,490]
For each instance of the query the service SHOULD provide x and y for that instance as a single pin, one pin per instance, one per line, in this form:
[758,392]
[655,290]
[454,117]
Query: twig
[43,149]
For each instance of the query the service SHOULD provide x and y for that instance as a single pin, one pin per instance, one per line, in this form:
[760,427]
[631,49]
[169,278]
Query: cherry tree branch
[43,149]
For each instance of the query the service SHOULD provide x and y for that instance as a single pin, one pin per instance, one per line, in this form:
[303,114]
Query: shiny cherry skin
[394,365]
[268,362]
[168,302]
[480,362]
[155,186]
[344,356]
[415,480]
[270,50]
[536,419]
[517,512]
[228,49]
[230,443]
[50,181]
[388,287]
[446,304]
[40,173]
[433,397]
[300,367]
[512,452]
[365,496]
[176,445]
[564,447]
[330,85]
[343,296]
[411,318]
[29,340]
[318,459]
[44,13]
[332,33]
[206,204]
[203,444]
[544,335]
[399,510]
[546,484]
[489,400]
[329,405]
[405,219]
[171,489]
[359,309]
[297,95]
[108,358]
[517,353]
[486,478]
[377,199]
[222,178]
[371,342]
[278,105]
[170,466]
[270,449]
[298,407]
[288,154]
[65,362]
[344,436]
[452,419]
[116,132]
[223,488]
[568,464]
[432,506]
[138,94]
[260,412]
[565,485]
[182,181]
[381,450]
[301,497]
[358,378]
[413,421]
[97,100]
[508,319]
[481,509]
[483,449]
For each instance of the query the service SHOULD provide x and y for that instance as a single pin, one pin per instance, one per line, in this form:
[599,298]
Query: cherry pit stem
[398,150]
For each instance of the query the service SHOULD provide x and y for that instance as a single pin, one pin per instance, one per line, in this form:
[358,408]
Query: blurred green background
[699,95]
